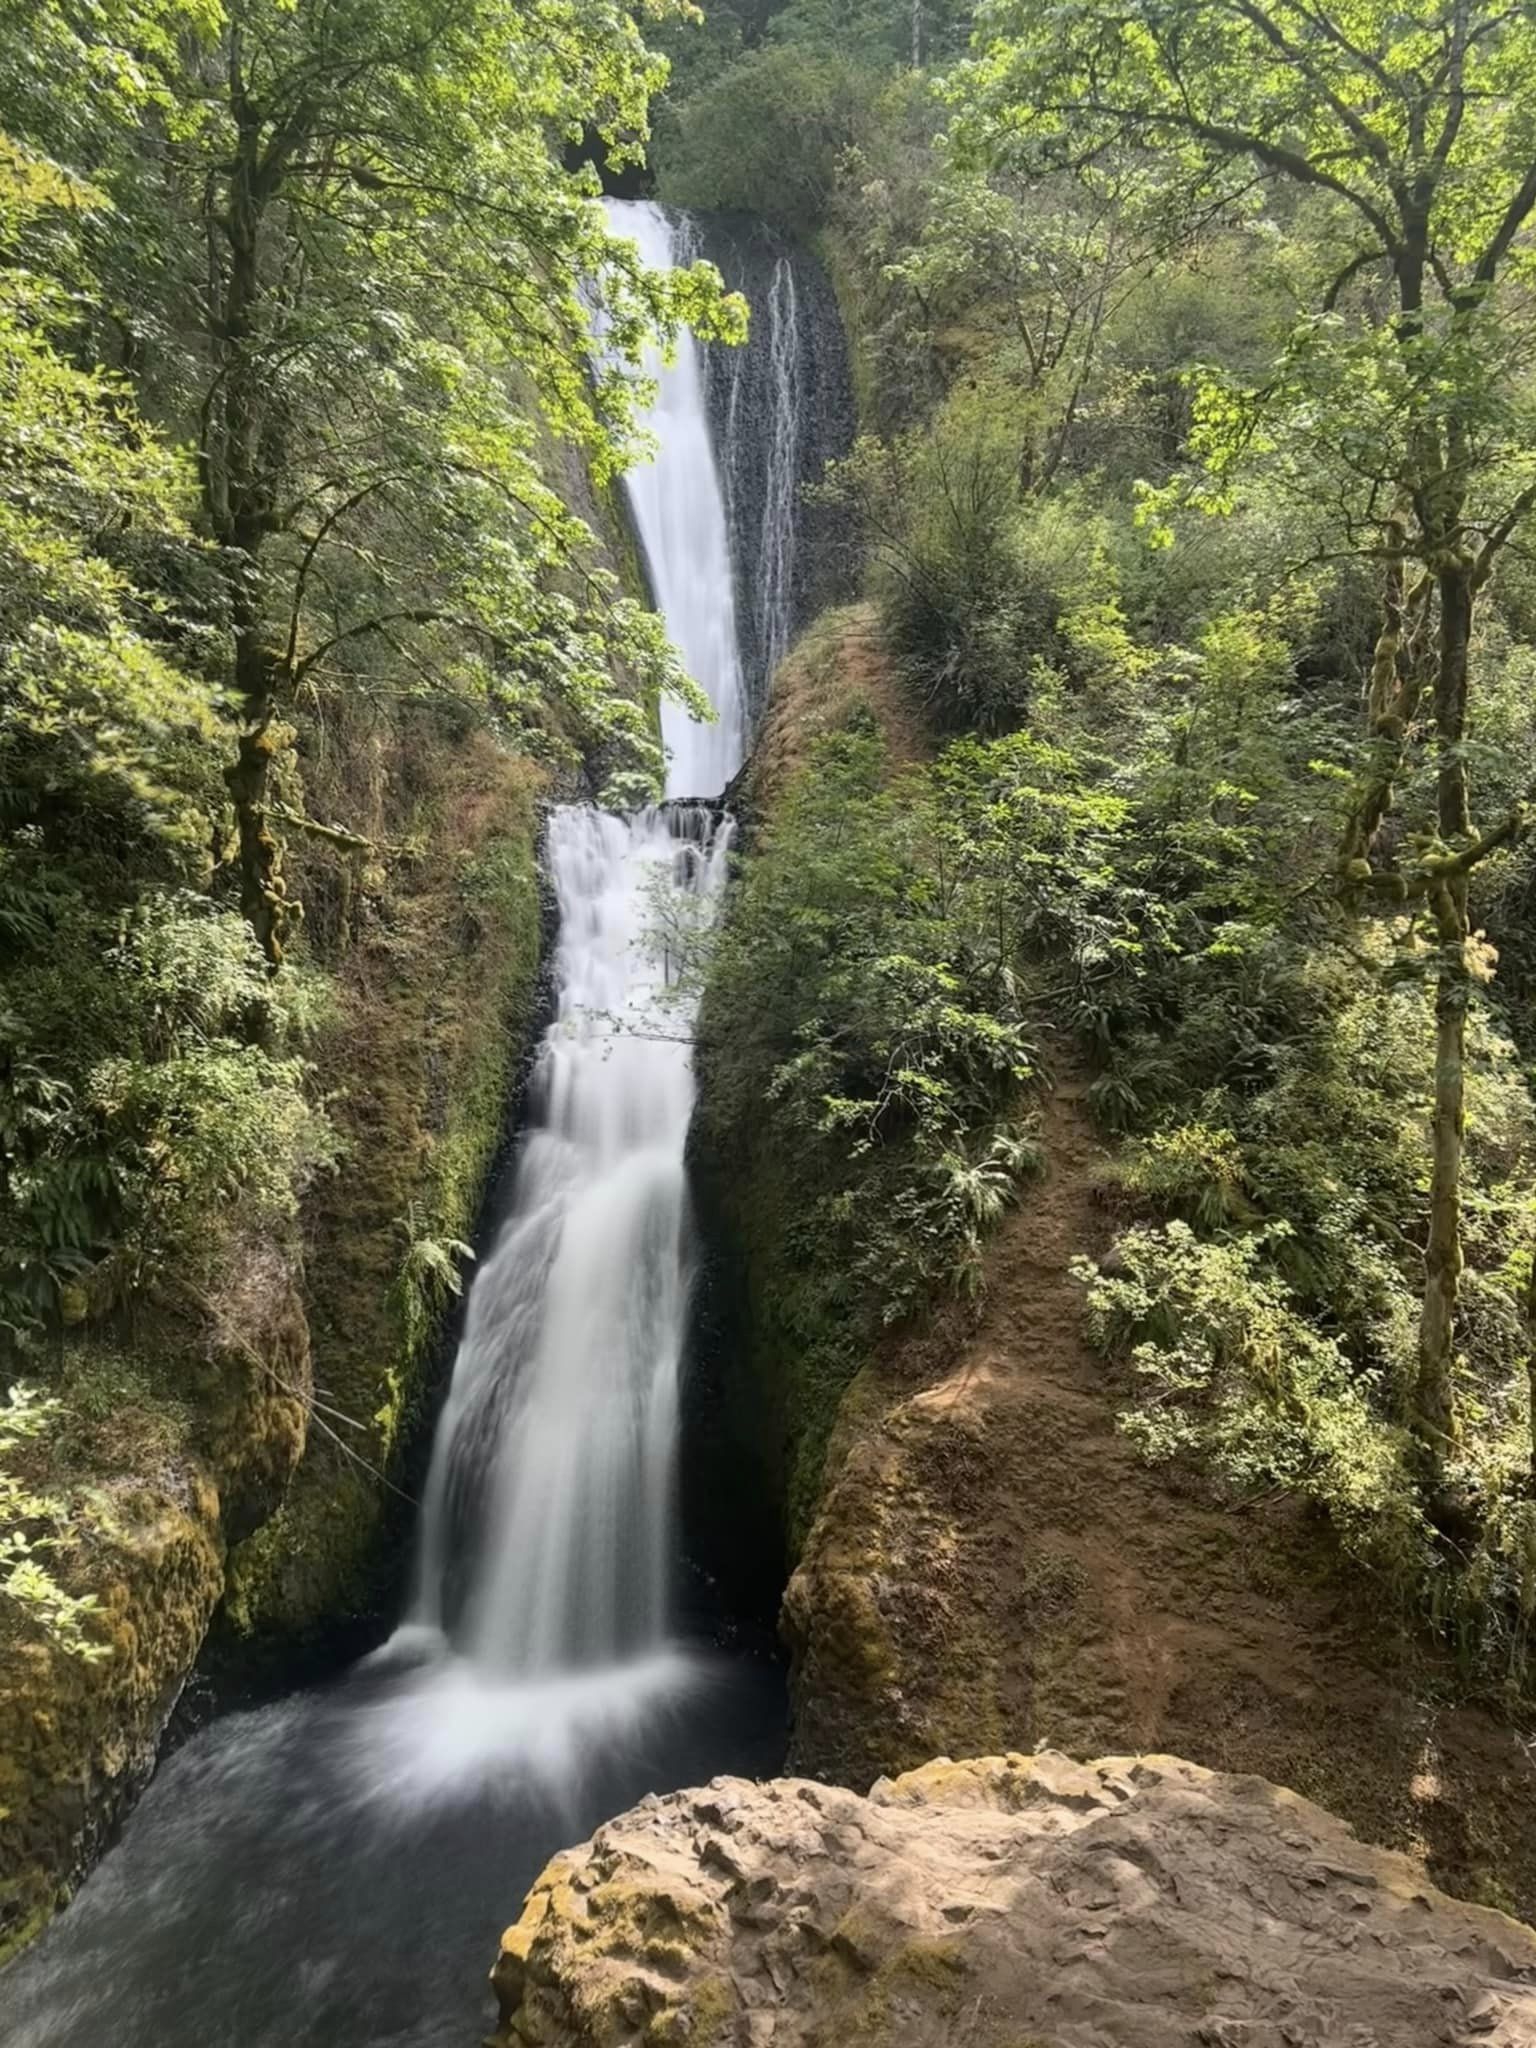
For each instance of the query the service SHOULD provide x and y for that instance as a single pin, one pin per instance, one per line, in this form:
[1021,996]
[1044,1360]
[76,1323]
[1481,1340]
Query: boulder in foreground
[1012,1902]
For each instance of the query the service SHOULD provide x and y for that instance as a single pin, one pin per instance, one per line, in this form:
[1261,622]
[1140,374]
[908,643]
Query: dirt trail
[994,1568]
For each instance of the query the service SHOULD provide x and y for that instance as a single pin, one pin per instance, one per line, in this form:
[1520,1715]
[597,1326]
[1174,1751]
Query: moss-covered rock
[1012,1902]
[437,997]
[161,1451]
[785,1331]
[231,1454]
[77,1738]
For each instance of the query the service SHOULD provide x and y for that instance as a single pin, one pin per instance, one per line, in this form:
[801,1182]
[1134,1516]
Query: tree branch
[1515,216]
[1238,142]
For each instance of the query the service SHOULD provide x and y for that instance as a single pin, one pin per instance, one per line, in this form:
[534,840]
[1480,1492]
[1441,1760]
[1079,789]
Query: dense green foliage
[841,993]
[295,378]
[1193,352]
[874,1013]
[28,1522]
[767,96]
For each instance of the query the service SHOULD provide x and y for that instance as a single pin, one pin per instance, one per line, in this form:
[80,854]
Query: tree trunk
[1456,581]
[237,471]
[1391,699]
[264,898]
[1434,1401]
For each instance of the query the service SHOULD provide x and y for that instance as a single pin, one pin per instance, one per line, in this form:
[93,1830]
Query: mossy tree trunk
[1434,1403]
[263,893]
[242,457]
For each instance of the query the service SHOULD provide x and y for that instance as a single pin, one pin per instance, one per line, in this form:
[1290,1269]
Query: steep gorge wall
[778,1338]
[980,1560]
[780,410]
[232,1458]
[437,994]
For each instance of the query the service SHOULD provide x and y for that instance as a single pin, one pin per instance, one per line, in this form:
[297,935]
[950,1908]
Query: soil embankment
[994,1566]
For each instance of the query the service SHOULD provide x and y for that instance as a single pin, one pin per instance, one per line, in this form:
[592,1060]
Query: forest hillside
[1092,972]
[1134,1268]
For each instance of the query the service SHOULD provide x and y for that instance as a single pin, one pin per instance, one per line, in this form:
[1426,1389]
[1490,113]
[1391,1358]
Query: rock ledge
[1013,1902]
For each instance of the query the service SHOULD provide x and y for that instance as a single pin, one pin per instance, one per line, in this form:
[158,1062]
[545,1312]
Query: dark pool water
[337,1868]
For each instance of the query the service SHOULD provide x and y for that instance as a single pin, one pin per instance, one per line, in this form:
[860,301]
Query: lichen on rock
[1135,1902]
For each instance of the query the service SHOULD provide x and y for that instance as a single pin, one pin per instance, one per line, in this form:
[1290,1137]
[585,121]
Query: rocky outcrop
[435,990]
[77,1739]
[155,1490]
[1016,1902]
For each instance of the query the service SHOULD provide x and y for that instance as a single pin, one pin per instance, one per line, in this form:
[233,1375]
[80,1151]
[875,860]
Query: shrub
[838,992]
[972,584]
[1232,1376]
[179,1105]
[29,1522]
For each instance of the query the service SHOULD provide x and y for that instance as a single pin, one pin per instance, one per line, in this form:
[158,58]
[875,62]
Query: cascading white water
[679,513]
[347,1852]
[558,1441]
[546,1537]
[776,589]
[770,435]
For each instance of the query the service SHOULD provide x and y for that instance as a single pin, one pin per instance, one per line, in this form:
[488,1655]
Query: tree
[1032,277]
[1410,134]
[355,269]
[255,453]
[88,698]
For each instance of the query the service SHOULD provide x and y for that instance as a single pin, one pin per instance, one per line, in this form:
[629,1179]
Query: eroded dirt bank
[994,1566]
[988,1564]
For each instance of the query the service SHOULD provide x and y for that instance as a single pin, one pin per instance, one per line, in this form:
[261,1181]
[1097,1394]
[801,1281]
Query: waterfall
[348,1853]
[780,408]
[678,508]
[776,587]
[546,1537]
[765,532]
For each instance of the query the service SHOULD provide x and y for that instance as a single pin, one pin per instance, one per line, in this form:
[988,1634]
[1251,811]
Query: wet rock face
[77,1739]
[1014,1902]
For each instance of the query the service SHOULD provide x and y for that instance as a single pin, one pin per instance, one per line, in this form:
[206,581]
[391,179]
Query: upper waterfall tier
[780,409]
[740,432]
[678,508]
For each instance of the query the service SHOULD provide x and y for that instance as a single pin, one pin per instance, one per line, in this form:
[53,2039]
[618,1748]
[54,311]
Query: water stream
[336,1868]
